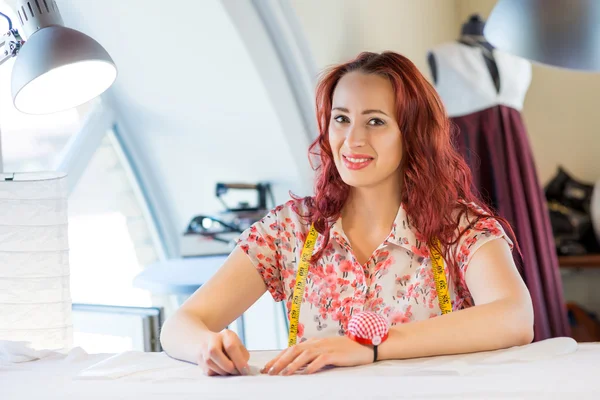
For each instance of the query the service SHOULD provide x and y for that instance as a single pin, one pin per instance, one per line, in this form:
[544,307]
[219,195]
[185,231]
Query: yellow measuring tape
[437,264]
[439,276]
[301,275]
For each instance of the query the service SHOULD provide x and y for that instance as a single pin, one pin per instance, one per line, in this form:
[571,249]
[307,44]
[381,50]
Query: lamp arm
[10,44]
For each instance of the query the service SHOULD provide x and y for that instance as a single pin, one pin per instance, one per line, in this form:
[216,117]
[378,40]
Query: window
[110,242]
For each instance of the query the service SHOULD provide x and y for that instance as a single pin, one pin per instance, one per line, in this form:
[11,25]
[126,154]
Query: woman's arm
[502,316]
[232,290]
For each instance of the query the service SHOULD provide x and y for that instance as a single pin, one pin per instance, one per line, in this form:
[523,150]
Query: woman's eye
[341,119]
[376,121]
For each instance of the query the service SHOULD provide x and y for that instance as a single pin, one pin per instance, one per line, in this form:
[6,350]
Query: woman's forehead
[357,91]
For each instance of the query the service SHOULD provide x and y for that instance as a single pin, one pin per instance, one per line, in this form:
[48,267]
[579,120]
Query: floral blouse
[397,280]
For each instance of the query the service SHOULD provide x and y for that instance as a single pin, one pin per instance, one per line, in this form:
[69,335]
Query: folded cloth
[140,366]
[18,352]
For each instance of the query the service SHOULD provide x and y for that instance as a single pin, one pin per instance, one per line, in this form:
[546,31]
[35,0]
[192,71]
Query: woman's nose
[356,137]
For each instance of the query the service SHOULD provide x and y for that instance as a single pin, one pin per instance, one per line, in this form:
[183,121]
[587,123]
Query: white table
[553,369]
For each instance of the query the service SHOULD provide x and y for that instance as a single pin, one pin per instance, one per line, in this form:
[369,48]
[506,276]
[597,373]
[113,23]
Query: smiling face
[363,132]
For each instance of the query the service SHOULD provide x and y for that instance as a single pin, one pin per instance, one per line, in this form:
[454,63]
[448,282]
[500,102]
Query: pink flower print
[338,258]
[261,241]
[301,236]
[488,225]
[383,255]
[346,266]
[323,312]
[300,329]
[421,251]
[271,243]
[343,282]
[337,316]
[402,280]
[412,291]
[433,315]
[383,266]
[399,318]
[347,302]
[421,238]
[329,269]
[331,280]
[245,248]
[470,241]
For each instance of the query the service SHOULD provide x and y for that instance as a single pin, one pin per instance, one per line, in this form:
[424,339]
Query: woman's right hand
[223,353]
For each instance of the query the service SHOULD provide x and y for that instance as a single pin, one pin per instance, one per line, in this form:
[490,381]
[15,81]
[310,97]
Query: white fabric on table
[155,367]
[12,352]
[135,365]
[552,369]
[18,352]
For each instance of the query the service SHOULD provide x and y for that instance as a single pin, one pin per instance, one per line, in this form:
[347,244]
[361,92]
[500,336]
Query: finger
[306,357]
[215,368]
[236,352]
[217,355]
[320,362]
[285,360]
[270,364]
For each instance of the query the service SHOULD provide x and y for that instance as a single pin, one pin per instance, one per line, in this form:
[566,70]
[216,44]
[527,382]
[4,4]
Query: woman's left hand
[315,354]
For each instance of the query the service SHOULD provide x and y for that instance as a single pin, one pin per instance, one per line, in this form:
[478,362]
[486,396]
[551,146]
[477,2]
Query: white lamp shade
[35,300]
[559,33]
[59,68]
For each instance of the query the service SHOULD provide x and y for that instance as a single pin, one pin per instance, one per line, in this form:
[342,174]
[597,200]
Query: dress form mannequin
[483,91]
[472,35]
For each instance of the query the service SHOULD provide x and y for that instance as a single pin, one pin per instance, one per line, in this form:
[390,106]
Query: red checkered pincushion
[368,328]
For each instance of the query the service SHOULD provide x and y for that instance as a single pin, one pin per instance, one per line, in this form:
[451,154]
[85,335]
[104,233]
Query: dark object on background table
[569,206]
[212,234]
[585,326]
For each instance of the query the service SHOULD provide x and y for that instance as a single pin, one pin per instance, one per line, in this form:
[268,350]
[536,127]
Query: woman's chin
[352,180]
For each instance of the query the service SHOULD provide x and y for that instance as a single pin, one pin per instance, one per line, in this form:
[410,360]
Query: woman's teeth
[357,160]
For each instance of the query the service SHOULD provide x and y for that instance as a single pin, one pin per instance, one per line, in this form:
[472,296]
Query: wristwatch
[368,328]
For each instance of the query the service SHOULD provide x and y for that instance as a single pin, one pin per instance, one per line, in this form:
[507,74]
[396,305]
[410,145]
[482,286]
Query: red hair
[437,184]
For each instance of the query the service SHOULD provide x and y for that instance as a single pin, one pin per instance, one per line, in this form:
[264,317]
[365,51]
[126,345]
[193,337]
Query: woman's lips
[356,161]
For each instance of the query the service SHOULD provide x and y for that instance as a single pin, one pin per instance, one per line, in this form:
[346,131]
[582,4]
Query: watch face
[376,340]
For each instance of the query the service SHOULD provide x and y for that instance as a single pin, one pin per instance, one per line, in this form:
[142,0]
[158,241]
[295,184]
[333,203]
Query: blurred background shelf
[585,261]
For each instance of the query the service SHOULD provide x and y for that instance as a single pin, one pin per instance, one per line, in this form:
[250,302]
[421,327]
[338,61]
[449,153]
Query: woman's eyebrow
[371,111]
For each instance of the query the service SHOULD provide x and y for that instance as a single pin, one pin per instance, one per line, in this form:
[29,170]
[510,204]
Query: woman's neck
[376,207]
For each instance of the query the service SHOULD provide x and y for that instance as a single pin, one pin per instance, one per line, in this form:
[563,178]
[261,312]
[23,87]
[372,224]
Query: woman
[389,188]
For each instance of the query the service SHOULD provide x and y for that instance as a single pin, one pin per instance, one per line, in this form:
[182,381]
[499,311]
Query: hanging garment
[492,138]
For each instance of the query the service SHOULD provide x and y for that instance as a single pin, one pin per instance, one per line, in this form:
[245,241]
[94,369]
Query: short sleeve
[481,232]
[260,242]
